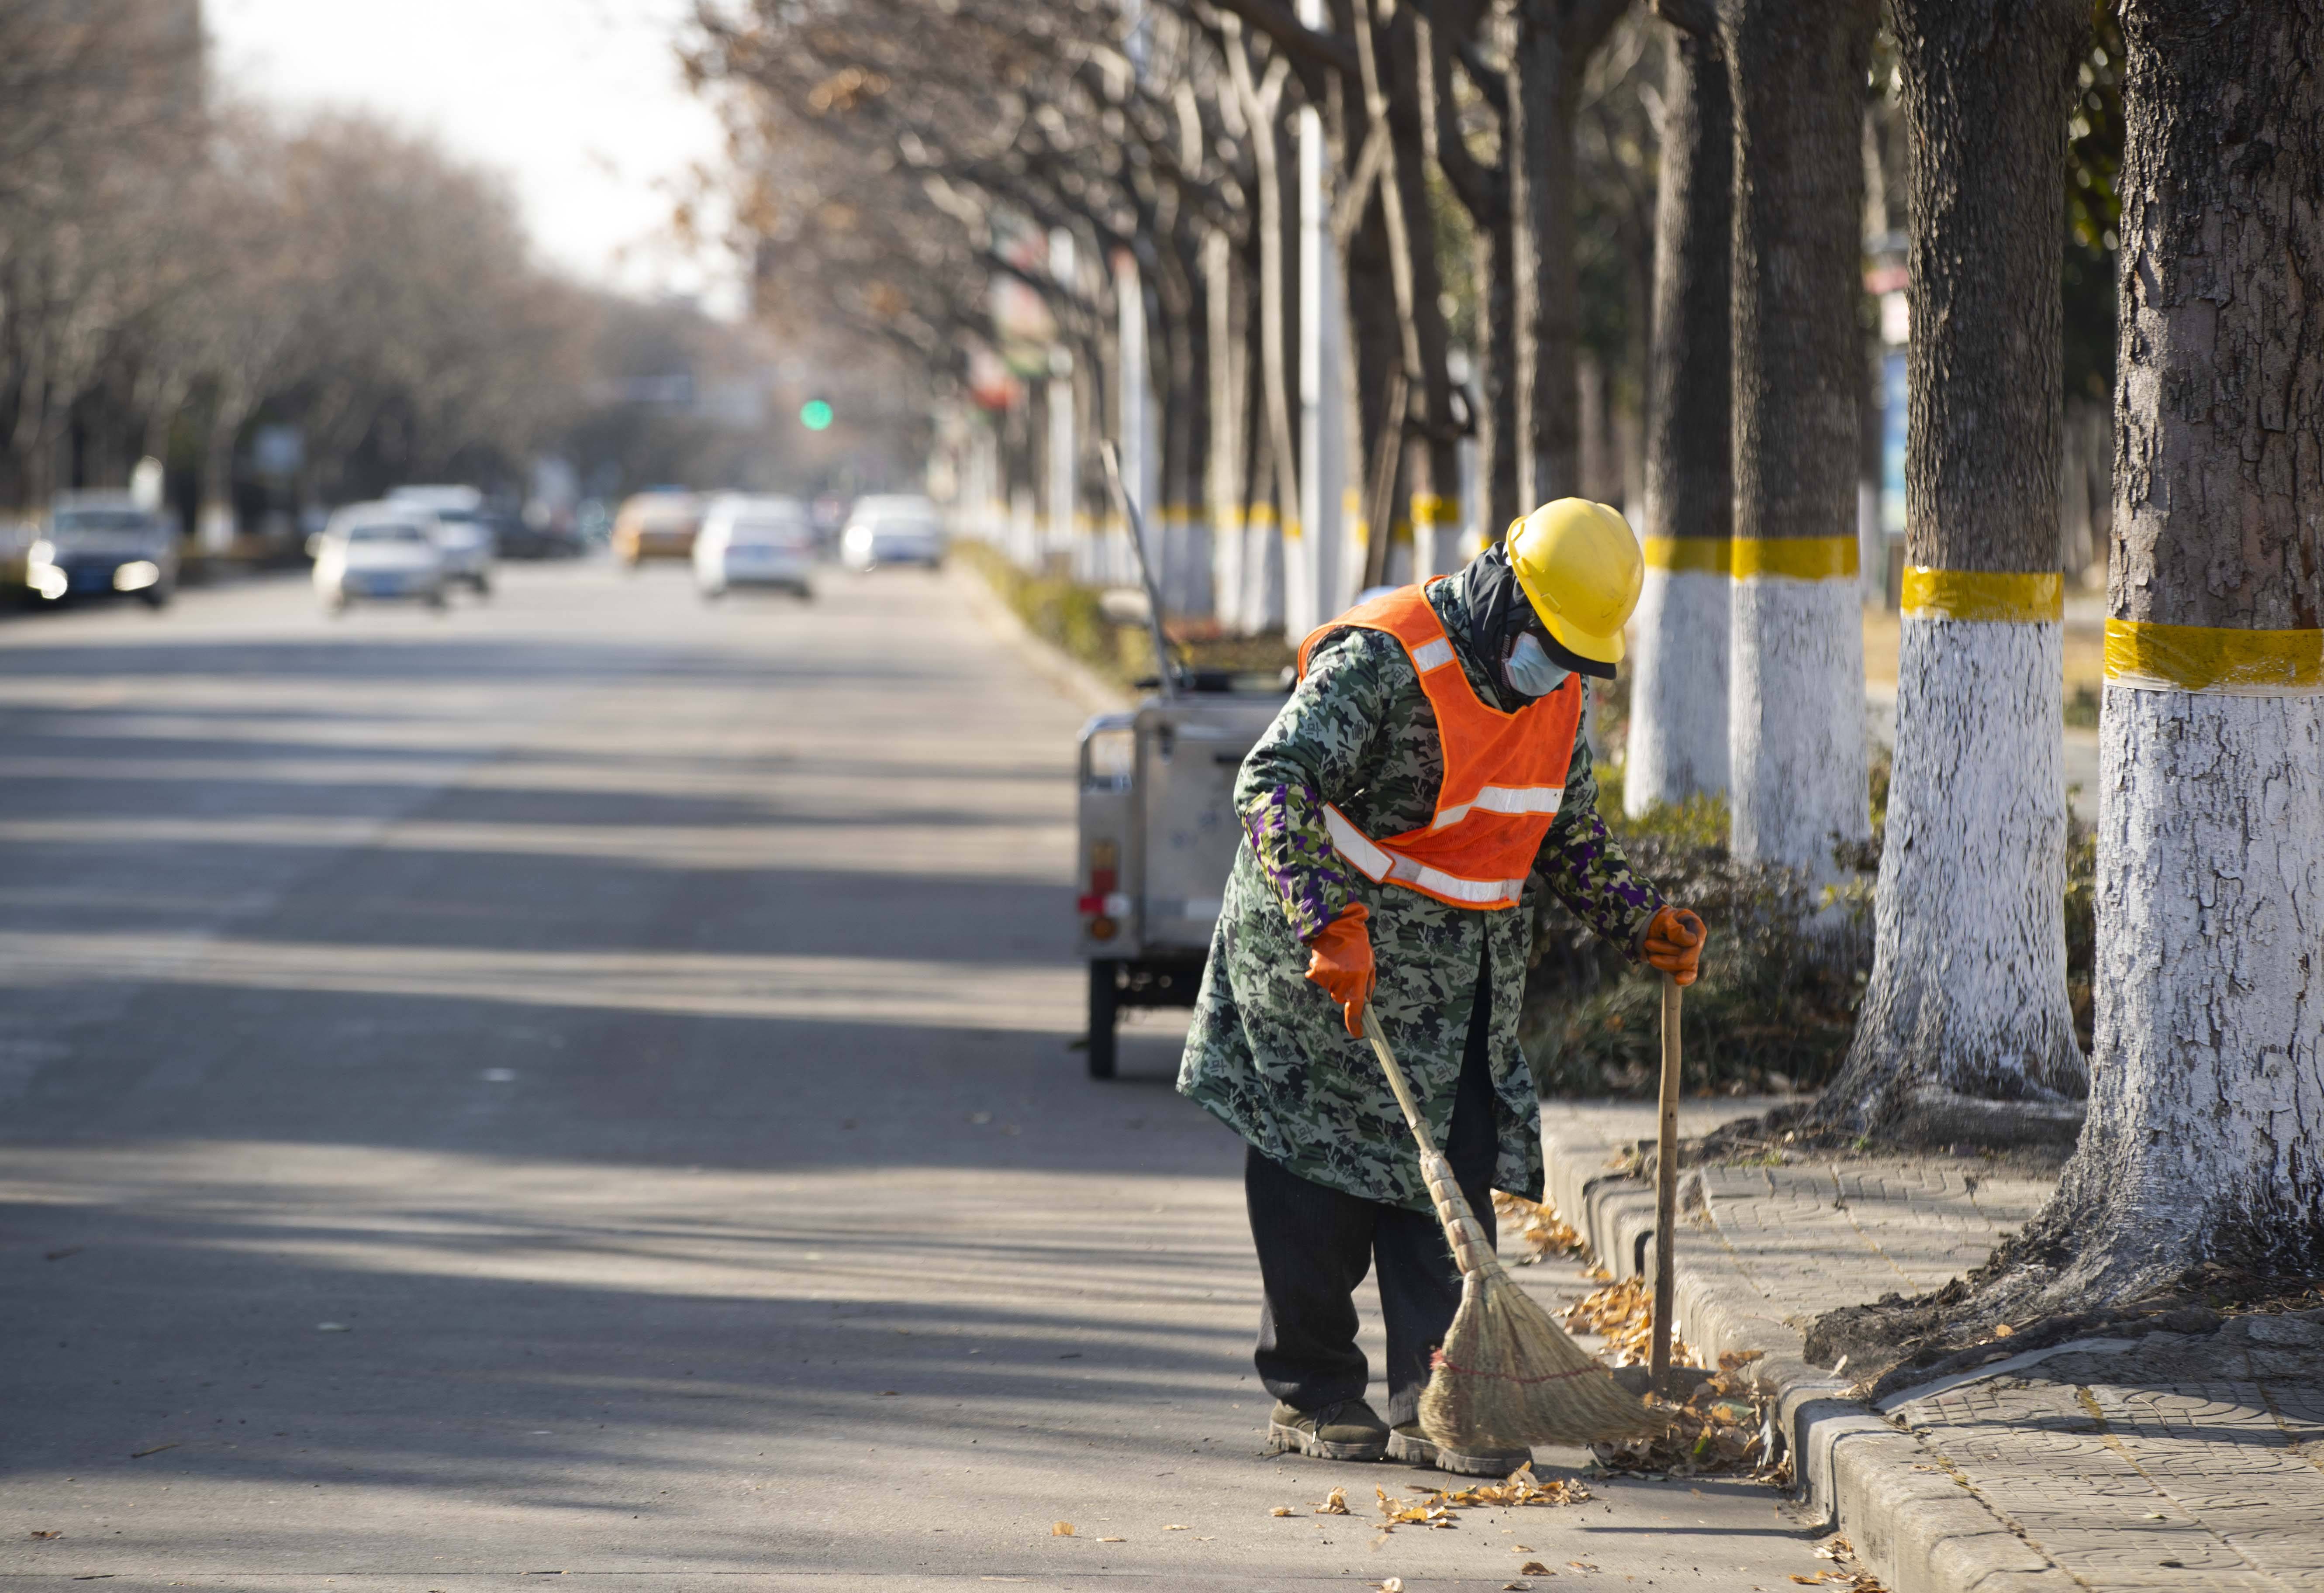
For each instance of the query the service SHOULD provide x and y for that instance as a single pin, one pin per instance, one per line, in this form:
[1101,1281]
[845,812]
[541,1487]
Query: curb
[1910,1520]
[1072,677]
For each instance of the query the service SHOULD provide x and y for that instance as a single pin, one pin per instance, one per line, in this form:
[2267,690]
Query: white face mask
[1529,670]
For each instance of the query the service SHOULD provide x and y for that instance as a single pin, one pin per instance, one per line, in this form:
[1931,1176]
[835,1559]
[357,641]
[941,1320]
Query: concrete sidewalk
[2167,1461]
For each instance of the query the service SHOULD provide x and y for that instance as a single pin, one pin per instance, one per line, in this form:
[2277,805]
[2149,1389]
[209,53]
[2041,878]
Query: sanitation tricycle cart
[1159,833]
[1158,830]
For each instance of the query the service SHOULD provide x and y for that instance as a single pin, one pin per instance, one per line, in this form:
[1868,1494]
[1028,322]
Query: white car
[460,529]
[379,553]
[750,541]
[891,529]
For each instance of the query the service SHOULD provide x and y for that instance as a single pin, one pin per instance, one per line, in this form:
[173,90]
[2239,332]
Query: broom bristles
[1510,1378]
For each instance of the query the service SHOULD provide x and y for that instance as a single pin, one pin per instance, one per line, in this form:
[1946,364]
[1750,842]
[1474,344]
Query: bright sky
[578,102]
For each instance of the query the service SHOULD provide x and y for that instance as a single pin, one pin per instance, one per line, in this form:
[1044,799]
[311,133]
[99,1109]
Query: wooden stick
[1667,1185]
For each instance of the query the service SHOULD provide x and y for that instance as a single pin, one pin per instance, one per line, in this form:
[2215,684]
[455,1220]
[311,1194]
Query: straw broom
[1507,1377]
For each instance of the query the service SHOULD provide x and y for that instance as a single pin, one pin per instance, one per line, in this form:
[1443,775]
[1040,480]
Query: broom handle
[1666,1184]
[1462,1231]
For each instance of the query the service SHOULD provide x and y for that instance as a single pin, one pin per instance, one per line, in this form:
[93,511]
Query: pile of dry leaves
[1623,1314]
[1722,1430]
[1840,1579]
[1546,1236]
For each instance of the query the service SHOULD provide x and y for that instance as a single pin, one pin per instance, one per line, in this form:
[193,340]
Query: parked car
[656,525]
[892,529]
[379,553]
[517,537]
[752,541]
[103,545]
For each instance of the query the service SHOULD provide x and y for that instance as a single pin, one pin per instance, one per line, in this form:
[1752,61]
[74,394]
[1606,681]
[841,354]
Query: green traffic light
[814,415]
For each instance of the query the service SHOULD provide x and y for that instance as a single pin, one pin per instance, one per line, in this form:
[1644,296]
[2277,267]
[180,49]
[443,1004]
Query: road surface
[582,1086]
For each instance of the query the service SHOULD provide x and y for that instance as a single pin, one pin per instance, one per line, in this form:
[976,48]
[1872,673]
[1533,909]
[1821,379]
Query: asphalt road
[581,1086]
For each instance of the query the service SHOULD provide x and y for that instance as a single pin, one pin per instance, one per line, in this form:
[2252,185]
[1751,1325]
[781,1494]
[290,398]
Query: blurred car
[379,553]
[892,529]
[656,524]
[752,541]
[517,537]
[461,529]
[101,544]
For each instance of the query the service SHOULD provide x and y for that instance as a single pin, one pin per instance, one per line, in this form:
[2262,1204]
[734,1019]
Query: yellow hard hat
[1580,566]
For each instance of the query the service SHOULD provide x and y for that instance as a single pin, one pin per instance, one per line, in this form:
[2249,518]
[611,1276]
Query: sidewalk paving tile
[2175,1463]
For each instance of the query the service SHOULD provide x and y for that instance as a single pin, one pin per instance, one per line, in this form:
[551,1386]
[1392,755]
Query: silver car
[754,541]
[892,529]
[101,544]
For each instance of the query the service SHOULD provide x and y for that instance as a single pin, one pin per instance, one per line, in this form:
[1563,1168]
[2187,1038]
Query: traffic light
[816,415]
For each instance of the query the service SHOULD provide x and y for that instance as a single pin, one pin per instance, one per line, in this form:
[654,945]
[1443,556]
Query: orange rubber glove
[1675,943]
[1339,959]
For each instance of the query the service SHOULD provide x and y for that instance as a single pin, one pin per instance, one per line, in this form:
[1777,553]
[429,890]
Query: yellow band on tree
[2003,595]
[1690,556]
[2214,659]
[1796,559]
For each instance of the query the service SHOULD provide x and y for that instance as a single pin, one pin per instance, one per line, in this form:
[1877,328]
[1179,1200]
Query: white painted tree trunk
[1969,978]
[1678,694]
[2205,1131]
[1796,730]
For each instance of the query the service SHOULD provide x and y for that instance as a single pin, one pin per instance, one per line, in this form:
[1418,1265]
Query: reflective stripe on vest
[1381,866]
[1504,773]
[1505,799]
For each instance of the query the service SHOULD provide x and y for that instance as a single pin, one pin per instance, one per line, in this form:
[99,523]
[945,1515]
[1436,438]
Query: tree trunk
[1493,259]
[1484,193]
[2207,1102]
[1968,995]
[1678,689]
[1537,145]
[1796,72]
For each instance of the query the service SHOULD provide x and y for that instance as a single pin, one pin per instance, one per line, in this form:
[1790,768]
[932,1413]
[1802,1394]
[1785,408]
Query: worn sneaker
[1347,1430]
[1405,1444]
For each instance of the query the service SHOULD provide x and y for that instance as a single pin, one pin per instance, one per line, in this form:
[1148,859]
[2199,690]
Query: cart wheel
[1104,1002]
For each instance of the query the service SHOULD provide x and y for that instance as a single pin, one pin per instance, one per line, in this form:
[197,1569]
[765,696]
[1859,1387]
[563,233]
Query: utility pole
[1311,548]
[1065,478]
[1137,423]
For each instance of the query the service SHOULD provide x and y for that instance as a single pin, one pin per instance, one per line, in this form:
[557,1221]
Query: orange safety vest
[1504,773]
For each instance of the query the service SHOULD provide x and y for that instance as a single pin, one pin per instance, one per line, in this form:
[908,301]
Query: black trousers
[1315,1244]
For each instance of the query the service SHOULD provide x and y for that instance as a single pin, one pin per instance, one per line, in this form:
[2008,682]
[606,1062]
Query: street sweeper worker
[1426,781]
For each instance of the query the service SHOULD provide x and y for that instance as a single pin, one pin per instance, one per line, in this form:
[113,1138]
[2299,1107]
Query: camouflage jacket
[1268,1051]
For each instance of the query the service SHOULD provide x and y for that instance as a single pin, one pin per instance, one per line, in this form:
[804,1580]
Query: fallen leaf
[1535,1568]
[1174,1527]
[1335,1503]
[141,1454]
[1580,1565]
[1281,1510]
[48,1534]
[1807,1581]
[2004,1332]
[1546,1235]
[1392,1585]
[1113,1540]
[1064,1529]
